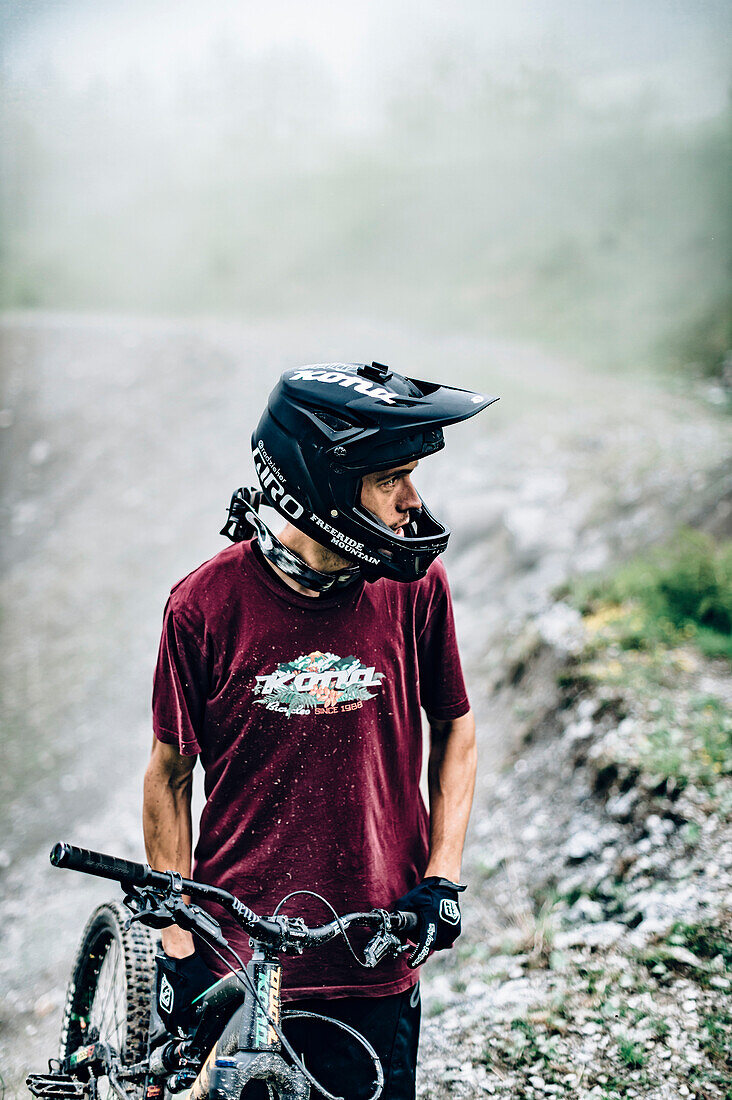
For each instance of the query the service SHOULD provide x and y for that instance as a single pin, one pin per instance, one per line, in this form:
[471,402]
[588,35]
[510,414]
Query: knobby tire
[111,985]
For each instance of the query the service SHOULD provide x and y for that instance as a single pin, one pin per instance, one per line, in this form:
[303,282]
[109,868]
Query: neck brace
[294,566]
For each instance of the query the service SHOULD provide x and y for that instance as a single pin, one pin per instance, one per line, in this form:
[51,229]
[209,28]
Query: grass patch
[716,1039]
[643,625]
[704,949]
[676,595]
[706,940]
[699,751]
[631,1054]
[531,1045]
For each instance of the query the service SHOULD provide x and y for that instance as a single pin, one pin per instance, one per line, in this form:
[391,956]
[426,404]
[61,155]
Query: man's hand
[436,903]
[178,982]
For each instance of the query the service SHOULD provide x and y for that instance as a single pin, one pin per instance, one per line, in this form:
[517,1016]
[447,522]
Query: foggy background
[531,198]
[558,170]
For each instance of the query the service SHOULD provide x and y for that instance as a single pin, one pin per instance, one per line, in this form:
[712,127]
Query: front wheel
[111,986]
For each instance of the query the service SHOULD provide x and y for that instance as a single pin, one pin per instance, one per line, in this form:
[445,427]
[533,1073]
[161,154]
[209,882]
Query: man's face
[389,495]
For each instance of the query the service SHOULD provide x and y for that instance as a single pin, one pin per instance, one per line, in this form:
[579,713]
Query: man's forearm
[167,828]
[451,782]
[166,821]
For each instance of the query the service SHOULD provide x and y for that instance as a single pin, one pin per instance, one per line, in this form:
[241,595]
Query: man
[296,666]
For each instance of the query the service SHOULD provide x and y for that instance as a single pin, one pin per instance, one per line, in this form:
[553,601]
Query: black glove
[177,983]
[435,901]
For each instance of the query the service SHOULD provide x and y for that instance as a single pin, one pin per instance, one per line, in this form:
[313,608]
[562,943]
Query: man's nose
[409,497]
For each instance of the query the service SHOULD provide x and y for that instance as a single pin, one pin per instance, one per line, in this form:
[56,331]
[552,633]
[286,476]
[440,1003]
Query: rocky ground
[597,957]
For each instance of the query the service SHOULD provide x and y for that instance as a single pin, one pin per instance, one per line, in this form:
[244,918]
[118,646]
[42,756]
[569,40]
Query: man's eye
[388,484]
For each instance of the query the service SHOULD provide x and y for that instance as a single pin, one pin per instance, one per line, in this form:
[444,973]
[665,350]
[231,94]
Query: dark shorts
[389,1024]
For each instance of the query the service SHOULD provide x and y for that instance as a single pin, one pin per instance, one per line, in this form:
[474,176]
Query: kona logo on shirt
[317,683]
[347,380]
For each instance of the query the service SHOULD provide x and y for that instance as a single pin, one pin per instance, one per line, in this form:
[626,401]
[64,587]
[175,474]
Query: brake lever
[160,910]
[384,943]
[146,906]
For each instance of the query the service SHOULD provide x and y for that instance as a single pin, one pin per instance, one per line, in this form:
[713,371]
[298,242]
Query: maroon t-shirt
[306,714]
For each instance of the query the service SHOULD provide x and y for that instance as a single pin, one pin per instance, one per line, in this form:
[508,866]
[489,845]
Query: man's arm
[166,824]
[451,780]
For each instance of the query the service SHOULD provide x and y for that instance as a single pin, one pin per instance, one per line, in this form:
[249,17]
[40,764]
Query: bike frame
[249,1048]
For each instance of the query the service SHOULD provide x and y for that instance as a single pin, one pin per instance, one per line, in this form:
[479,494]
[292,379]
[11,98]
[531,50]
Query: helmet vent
[334,422]
[425,388]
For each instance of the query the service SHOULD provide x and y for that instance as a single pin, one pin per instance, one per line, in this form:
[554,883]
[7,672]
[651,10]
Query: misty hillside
[524,194]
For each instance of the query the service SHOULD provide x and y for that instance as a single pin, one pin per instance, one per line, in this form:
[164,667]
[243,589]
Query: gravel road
[121,441]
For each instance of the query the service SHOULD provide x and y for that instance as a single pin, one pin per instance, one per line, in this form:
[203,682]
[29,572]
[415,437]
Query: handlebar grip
[96,863]
[408,921]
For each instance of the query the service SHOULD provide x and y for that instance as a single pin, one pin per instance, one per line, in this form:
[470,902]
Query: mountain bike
[113,1045]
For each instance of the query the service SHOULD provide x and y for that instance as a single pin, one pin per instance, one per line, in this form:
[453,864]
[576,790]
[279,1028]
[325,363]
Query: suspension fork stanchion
[265,970]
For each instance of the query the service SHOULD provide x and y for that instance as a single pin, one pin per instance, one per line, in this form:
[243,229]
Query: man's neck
[313,554]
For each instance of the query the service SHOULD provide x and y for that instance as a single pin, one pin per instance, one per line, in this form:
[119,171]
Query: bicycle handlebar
[138,874]
[96,863]
[126,872]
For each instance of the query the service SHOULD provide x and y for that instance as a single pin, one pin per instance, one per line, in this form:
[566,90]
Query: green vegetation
[631,1053]
[648,627]
[717,1038]
[699,752]
[706,940]
[716,1042]
[530,1044]
[703,949]
[679,594]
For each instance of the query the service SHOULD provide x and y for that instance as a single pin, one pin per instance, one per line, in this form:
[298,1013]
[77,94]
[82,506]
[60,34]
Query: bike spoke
[108,1009]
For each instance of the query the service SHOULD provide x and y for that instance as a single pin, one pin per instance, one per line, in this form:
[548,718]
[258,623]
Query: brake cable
[339,922]
[297,1014]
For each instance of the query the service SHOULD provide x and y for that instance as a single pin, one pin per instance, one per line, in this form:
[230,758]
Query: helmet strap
[296,567]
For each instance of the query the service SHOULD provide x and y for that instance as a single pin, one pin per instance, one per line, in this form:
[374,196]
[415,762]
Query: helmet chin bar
[424,538]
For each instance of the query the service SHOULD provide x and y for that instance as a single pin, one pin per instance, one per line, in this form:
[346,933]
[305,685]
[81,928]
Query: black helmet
[327,425]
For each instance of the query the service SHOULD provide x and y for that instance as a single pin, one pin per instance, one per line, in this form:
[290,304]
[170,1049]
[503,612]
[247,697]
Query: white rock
[581,730]
[562,627]
[585,909]
[582,845]
[620,806]
[593,935]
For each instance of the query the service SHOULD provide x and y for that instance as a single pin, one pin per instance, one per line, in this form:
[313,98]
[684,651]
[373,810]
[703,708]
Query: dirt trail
[121,440]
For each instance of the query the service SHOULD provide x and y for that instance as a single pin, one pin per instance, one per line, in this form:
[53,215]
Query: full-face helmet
[328,424]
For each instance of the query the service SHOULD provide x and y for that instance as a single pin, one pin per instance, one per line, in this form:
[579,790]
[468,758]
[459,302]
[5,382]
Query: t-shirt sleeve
[180,686]
[441,683]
